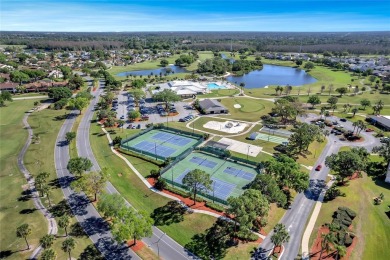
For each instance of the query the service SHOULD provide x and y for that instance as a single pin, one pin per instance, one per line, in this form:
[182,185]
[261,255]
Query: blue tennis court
[179,178]
[221,189]
[158,149]
[203,162]
[172,139]
[239,173]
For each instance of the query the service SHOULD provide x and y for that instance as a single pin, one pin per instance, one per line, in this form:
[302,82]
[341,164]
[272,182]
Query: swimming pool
[214,85]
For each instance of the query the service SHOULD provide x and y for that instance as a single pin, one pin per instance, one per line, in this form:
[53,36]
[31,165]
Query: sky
[195,15]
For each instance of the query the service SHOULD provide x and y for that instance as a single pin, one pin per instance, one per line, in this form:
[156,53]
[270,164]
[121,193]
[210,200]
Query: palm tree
[340,251]
[46,190]
[355,124]
[63,222]
[48,254]
[280,236]
[326,242]
[23,231]
[354,111]
[46,241]
[68,245]
[323,109]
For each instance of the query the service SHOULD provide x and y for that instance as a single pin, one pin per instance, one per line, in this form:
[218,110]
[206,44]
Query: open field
[40,157]
[203,55]
[251,109]
[12,184]
[220,93]
[371,224]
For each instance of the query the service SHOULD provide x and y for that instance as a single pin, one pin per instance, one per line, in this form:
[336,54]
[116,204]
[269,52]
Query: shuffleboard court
[161,142]
[271,138]
[224,184]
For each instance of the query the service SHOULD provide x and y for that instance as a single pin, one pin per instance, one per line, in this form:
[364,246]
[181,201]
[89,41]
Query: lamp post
[247,155]
[158,248]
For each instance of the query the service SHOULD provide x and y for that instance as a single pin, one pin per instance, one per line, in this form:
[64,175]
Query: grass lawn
[251,109]
[32,94]
[40,157]
[12,184]
[221,93]
[315,150]
[371,224]
[203,55]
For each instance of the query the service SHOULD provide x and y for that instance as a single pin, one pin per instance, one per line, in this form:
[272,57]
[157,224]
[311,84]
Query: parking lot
[154,110]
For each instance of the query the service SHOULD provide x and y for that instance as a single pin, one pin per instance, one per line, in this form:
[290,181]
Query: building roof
[384,121]
[207,104]
[8,85]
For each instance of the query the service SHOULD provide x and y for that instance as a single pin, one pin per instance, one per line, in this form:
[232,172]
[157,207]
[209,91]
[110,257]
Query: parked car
[343,120]
[122,117]
[129,126]
[138,126]
[369,130]
[319,167]
[384,139]
[343,139]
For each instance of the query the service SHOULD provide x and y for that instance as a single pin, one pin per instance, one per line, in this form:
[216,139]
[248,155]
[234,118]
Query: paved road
[52,224]
[95,227]
[162,244]
[296,217]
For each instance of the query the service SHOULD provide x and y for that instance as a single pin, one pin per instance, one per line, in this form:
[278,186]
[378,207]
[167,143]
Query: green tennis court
[228,177]
[161,143]
[271,138]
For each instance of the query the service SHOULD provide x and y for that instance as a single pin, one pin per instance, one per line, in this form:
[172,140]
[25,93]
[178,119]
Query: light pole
[158,248]
[248,153]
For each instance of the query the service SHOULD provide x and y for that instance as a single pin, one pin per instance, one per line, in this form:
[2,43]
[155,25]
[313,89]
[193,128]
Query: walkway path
[32,97]
[52,224]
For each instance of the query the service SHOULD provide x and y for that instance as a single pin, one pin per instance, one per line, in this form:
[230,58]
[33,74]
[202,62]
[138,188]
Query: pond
[273,75]
[175,69]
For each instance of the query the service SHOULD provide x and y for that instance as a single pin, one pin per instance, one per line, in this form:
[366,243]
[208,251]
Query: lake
[175,69]
[273,75]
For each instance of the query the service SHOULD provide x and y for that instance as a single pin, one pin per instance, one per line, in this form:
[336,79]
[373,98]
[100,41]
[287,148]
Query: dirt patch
[315,250]
[138,246]
[120,174]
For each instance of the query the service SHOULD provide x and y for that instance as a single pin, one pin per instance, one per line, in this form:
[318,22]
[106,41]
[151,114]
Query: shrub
[215,206]
[160,184]
[182,193]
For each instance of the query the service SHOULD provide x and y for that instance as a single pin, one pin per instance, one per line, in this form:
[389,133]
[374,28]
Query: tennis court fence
[176,160]
[157,127]
[203,194]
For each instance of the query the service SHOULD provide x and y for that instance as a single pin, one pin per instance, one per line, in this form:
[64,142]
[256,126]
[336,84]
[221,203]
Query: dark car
[343,120]
[319,167]
[138,126]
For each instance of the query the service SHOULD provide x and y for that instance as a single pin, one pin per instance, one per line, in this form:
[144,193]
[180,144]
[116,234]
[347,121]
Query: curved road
[94,226]
[52,224]
[161,244]
[295,219]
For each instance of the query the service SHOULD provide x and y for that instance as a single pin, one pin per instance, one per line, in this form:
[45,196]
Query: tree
[63,222]
[286,109]
[279,236]
[298,62]
[354,110]
[46,191]
[303,135]
[60,93]
[69,136]
[138,83]
[333,100]
[133,115]
[378,107]
[91,183]
[365,103]
[314,100]
[110,204]
[79,165]
[248,210]
[137,94]
[164,62]
[66,71]
[5,96]
[287,173]
[19,77]
[48,254]
[345,163]
[167,96]
[197,180]
[129,224]
[46,241]
[330,88]
[23,231]
[341,91]
[267,185]
[78,103]
[383,151]
[309,65]
[326,241]
[341,251]
[68,245]
[40,180]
